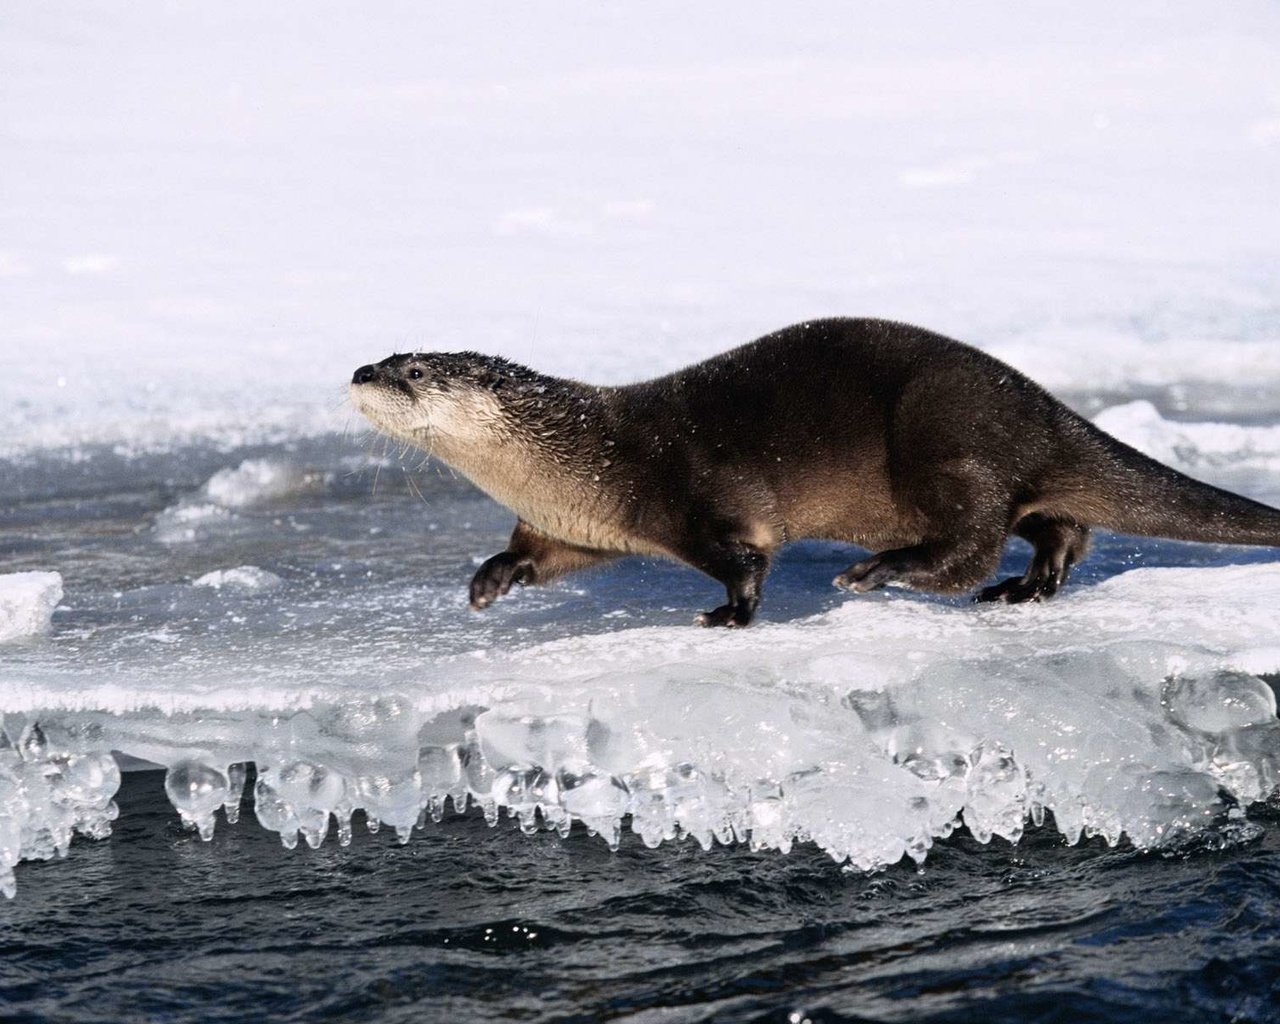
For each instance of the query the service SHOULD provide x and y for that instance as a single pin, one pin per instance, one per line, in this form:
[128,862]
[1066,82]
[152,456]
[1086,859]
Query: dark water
[472,923]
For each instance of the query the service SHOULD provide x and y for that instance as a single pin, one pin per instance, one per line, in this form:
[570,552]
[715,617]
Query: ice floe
[1126,709]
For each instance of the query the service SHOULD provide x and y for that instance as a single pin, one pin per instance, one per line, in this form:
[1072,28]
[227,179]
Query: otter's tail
[1123,490]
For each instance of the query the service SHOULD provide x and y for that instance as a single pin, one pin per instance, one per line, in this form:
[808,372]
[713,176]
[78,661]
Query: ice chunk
[256,481]
[244,578]
[27,601]
[252,483]
[183,523]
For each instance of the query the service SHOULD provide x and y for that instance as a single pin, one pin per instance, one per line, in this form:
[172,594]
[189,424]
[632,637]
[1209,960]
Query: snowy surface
[27,600]
[211,217]
[1194,448]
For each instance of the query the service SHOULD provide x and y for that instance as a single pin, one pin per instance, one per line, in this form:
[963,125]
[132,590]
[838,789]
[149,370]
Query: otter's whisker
[413,486]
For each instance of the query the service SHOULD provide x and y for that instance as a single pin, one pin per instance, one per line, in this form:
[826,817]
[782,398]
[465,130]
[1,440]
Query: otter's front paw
[495,577]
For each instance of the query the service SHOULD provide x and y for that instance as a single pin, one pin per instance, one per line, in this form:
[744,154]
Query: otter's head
[441,401]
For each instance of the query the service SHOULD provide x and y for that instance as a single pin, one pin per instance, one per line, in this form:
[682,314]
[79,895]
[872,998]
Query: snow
[190,272]
[1193,447]
[27,601]
[594,194]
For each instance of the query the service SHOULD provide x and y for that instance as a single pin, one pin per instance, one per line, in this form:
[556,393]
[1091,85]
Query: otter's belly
[853,505]
[580,524]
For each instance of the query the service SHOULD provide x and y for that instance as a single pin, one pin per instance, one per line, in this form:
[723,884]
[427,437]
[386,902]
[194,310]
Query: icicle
[236,775]
[196,790]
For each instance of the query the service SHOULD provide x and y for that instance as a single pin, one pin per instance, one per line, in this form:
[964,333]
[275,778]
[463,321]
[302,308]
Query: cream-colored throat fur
[470,431]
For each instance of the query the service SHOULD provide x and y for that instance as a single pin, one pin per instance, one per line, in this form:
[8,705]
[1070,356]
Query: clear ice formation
[872,731]
[48,795]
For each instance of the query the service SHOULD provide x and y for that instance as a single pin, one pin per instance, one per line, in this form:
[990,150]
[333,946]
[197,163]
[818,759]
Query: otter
[919,448]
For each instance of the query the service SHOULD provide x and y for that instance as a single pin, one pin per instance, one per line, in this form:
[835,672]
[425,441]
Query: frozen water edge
[1124,709]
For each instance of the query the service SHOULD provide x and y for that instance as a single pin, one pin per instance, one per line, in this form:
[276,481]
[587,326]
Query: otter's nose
[363,375]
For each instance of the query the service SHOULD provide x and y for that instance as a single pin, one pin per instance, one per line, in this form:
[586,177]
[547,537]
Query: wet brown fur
[920,448]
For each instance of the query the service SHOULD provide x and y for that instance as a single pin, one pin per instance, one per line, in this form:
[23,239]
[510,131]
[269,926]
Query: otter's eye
[415,374]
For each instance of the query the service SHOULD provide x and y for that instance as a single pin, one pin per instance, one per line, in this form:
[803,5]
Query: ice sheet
[1124,709]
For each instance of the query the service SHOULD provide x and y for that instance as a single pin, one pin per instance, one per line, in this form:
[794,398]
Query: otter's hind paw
[1017,590]
[728,615]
